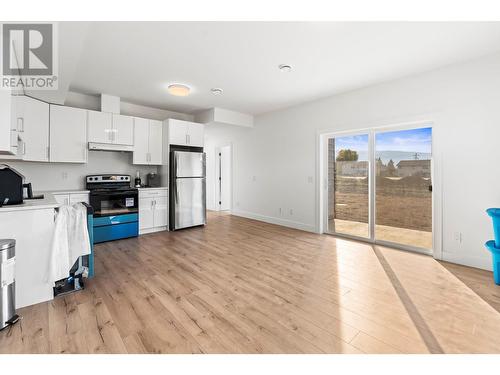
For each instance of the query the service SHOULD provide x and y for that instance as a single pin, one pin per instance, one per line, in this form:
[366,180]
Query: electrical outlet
[310,179]
[254,178]
[457,236]
[291,212]
[65,175]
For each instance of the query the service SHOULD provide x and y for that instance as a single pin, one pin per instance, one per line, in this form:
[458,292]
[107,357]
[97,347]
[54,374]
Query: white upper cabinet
[68,134]
[8,131]
[177,132]
[123,130]
[155,142]
[196,134]
[147,142]
[110,128]
[141,141]
[185,133]
[100,125]
[32,117]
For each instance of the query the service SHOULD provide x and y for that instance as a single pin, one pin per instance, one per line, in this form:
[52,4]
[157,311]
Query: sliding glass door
[380,186]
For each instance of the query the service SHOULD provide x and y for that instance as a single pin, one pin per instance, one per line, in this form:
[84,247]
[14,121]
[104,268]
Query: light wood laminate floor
[243,286]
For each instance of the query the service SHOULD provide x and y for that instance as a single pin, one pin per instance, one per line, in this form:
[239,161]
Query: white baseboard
[484,263]
[275,220]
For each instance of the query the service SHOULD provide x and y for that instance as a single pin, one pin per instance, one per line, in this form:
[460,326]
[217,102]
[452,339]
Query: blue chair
[494,245]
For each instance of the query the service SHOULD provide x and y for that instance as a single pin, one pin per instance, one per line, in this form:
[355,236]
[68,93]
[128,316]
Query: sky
[413,140]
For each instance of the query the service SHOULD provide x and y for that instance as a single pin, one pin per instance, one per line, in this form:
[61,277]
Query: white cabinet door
[177,132]
[123,130]
[146,213]
[78,198]
[100,126]
[68,134]
[155,142]
[196,134]
[8,134]
[62,198]
[141,141]
[33,251]
[160,211]
[34,117]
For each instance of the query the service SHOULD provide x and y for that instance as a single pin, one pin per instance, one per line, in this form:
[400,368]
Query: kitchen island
[31,224]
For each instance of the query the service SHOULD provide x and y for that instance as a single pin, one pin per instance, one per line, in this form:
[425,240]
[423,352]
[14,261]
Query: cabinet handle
[20,121]
[48,152]
[24,148]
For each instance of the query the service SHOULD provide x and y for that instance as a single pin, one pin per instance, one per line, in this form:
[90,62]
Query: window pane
[403,195]
[348,185]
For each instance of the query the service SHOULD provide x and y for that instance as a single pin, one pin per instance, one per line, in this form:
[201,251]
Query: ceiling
[138,60]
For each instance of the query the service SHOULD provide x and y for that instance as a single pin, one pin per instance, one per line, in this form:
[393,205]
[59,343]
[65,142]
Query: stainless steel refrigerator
[188,190]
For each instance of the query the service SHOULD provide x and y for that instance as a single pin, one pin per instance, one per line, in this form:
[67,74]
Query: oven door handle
[114,194]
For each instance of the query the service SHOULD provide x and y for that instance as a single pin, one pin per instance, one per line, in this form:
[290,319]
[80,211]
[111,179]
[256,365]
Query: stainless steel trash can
[7,283]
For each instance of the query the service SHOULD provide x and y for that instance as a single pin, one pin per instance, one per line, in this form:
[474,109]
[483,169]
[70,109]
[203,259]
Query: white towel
[71,240]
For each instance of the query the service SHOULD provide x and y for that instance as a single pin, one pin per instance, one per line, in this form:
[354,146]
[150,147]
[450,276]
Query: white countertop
[48,201]
[153,188]
[66,191]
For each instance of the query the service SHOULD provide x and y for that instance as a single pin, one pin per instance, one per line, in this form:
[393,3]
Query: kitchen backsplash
[59,176]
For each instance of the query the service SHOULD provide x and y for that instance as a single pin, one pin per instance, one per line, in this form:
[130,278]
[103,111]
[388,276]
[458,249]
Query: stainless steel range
[116,207]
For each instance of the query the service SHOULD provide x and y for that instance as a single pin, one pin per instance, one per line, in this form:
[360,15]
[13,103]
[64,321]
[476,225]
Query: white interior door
[224,178]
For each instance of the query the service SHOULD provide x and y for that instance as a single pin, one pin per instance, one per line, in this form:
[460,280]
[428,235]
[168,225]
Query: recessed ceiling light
[284,67]
[178,89]
[216,91]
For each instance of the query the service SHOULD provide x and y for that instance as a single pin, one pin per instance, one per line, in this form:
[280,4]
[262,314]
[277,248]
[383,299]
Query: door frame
[217,175]
[436,178]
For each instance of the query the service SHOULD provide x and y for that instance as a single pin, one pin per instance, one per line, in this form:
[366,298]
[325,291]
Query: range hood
[109,147]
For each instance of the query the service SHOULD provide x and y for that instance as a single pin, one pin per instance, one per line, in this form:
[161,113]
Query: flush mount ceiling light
[216,91]
[177,89]
[284,67]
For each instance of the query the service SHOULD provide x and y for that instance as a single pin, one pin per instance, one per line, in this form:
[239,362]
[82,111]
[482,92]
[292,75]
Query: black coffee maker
[11,186]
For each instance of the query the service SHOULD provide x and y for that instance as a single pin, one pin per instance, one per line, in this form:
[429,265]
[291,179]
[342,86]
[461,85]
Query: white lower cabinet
[153,210]
[71,198]
[33,251]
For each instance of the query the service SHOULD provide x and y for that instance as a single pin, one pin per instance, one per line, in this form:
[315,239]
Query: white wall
[60,176]
[275,162]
